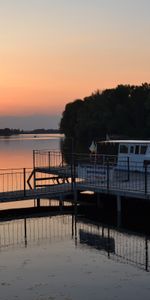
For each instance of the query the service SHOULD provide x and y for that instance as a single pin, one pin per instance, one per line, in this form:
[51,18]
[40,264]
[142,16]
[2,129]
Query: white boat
[115,155]
[133,154]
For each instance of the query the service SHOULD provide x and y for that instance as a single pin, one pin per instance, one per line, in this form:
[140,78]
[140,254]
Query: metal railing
[28,183]
[54,171]
[47,159]
[14,180]
[95,170]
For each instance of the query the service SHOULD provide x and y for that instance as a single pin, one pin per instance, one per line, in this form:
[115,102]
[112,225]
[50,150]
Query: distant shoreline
[9,132]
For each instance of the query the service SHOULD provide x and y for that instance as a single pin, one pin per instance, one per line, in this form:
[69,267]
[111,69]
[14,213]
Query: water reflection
[116,244]
[119,246]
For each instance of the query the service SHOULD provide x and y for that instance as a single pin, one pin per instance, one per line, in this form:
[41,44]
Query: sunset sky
[55,51]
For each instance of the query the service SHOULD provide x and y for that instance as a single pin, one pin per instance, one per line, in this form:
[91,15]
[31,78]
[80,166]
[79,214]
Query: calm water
[17,152]
[63,257]
[54,257]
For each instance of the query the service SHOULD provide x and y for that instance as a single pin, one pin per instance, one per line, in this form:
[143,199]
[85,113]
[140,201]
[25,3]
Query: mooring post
[24,181]
[118,210]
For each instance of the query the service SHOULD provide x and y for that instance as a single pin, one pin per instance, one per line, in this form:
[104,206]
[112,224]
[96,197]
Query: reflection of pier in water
[116,245]
[29,231]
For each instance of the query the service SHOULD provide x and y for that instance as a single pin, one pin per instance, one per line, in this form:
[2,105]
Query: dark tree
[120,112]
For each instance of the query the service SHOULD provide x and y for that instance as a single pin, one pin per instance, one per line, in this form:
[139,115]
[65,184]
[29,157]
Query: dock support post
[38,202]
[99,202]
[128,163]
[107,174]
[61,202]
[145,179]
[118,210]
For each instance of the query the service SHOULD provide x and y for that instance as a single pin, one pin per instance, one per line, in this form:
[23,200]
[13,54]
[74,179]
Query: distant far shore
[10,131]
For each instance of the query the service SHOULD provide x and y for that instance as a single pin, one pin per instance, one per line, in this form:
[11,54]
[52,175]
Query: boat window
[131,149]
[137,149]
[123,149]
[143,149]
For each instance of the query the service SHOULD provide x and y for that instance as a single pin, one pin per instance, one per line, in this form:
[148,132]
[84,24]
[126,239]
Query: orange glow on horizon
[68,51]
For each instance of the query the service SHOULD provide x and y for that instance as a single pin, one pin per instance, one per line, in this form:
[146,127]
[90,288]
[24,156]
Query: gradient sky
[55,51]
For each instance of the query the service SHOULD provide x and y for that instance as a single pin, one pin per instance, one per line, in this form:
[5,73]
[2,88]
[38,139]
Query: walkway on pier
[26,184]
[97,173]
[53,177]
[52,192]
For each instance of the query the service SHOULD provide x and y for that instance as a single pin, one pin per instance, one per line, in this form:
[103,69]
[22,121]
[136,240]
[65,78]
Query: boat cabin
[135,152]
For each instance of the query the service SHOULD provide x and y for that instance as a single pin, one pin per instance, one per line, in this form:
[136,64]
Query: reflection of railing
[117,245]
[34,230]
[97,241]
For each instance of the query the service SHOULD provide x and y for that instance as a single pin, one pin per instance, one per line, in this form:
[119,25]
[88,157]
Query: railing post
[49,159]
[24,181]
[145,178]
[34,180]
[33,159]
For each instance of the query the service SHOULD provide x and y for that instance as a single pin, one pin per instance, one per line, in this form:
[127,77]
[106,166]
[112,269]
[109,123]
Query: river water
[16,151]
[66,256]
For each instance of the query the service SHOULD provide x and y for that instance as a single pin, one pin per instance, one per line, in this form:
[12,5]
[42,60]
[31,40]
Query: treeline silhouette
[10,131]
[121,112]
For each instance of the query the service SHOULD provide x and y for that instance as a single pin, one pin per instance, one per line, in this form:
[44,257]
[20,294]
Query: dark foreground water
[61,257]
